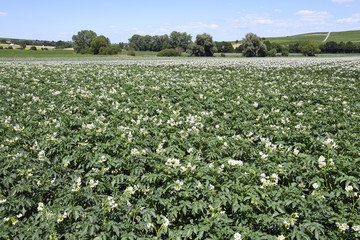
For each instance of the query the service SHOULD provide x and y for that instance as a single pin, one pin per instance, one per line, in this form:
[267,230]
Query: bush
[271,53]
[10,47]
[106,51]
[99,42]
[179,50]
[33,48]
[110,50]
[222,55]
[285,53]
[224,47]
[309,47]
[168,53]
[1,47]
[239,49]
[85,51]
[131,52]
[116,48]
[22,44]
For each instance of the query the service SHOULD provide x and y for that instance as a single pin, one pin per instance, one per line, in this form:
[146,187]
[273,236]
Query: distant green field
[39,53]
[319,37]
[16,53]
[353,36]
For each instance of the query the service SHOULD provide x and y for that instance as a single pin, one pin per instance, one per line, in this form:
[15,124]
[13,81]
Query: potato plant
[180,149]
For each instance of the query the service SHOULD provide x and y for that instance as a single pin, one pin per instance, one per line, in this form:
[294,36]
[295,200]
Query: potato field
[180,148]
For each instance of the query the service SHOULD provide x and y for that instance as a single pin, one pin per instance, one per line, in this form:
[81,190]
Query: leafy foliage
[160,42]
[309,48]
[168,53]
[110,50]
[179,40]
[253,47]
[224,47]
[22,44]
[271,53]
[82,41]
[62,44]
[203,46]
[180,149]
[98,43]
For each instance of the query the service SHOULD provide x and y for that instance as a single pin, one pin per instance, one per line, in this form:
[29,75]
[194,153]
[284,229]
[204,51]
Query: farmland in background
[345,36]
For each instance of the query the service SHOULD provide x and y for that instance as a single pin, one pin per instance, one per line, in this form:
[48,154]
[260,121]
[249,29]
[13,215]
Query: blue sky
[226,20]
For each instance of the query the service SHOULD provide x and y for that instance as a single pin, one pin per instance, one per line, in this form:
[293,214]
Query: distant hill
[353,36]
[27,41]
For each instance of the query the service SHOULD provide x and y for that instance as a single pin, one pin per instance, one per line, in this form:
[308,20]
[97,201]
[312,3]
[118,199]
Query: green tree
[160,42]
[253,47]
[341,47]
[349,47]
[285,52]
[294,48]
[271,53]
[82,41]
[224,47]
[309,47]
[268,44]
[178,39]
[22,44]
[203,46]
[61,44]
[240,48]
[137,42]
[147,43]
[278,47]
[99,42]
[356,47]
[330,47]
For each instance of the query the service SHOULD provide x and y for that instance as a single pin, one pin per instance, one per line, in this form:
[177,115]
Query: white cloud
[353,19]
[342,1]
[136,30]
[305,12]
[251,20]
[241,11]
[3,14]
[313,16]
[112,26]
[214,26]
[277,10]
[199,25]
[264,21]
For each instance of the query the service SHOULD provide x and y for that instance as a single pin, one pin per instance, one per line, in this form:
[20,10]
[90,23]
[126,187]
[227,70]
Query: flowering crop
[180,148]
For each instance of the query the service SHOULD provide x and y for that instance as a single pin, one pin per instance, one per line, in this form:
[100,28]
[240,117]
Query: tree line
[58,44]
[160,42]
[87,41]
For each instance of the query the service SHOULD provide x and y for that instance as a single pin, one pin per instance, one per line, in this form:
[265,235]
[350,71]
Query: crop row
[180,149]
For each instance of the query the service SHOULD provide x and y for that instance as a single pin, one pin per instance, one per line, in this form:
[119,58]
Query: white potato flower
[237,236]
